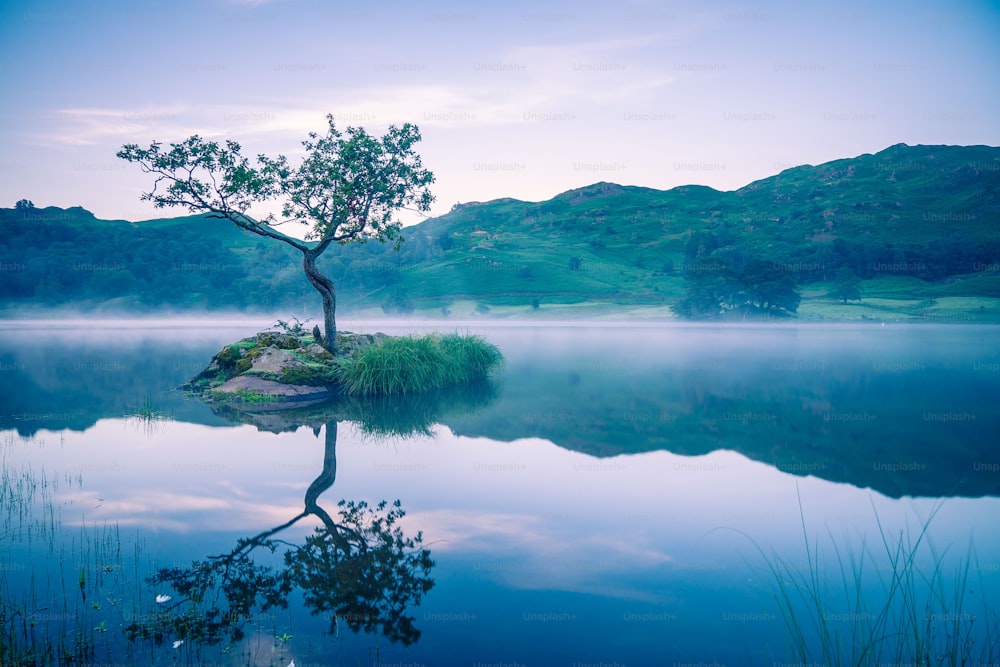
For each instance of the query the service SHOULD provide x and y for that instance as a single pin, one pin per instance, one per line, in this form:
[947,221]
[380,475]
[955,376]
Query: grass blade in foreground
[902,605]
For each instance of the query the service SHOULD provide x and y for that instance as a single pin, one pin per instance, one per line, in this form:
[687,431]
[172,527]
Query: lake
[637,494]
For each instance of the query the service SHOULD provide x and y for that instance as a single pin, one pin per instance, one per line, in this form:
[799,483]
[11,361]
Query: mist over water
[609,501]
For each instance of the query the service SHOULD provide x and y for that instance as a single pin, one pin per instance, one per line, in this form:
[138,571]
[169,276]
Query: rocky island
[286,369]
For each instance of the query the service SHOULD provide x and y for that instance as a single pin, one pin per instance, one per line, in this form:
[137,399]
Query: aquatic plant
[410,364]
[898,602]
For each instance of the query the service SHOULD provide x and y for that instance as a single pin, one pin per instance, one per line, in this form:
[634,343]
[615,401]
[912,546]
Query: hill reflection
[906,411]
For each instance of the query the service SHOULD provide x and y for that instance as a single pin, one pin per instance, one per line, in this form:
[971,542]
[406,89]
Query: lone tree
[846,286]
[347,188]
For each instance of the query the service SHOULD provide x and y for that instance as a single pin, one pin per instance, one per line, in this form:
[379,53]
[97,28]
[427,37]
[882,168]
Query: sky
[515,99]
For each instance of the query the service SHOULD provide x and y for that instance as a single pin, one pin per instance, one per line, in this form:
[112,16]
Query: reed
[901,601]
[411,365]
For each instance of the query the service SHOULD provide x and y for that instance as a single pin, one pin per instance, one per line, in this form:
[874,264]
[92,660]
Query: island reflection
[358,568]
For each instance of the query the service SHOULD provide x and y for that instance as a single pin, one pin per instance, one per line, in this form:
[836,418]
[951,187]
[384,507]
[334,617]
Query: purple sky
[517,99]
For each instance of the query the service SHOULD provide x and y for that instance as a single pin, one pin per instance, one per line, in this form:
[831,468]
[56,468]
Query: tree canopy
[348,187]
[725,281]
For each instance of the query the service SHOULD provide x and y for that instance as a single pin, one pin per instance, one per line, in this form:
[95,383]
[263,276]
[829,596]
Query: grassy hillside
[918,225]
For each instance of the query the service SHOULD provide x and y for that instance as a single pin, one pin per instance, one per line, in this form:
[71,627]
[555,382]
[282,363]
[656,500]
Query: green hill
[918,225]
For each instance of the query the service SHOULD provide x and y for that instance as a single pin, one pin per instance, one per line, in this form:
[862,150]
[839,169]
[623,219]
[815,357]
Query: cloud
[89,126]
[534,552]
[518,85]
[181,512]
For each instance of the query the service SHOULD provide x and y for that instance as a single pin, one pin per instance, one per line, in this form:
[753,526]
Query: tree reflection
[358,567]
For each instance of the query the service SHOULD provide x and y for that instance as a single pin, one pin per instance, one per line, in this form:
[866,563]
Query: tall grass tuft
[410,365]
[883,605]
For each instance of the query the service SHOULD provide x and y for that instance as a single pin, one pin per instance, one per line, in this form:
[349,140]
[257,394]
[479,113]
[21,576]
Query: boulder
[283,395]
[348,343]
[280,340]
[274,360]
[317,351]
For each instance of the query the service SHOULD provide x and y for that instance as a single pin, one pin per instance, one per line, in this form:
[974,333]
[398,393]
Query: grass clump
[408,364]
[890,606]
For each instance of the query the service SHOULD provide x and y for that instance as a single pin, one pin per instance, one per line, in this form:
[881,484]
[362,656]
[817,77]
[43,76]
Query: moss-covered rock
[282,341]
[229,356]
[297,369]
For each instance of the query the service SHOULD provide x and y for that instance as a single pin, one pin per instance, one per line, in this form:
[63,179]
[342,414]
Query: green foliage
[397,304]
[768,287]
[347,188]
[228,357]
[24,205]
[404,415]
[919,615]
[723,285]
[471,356]
[846,286]
[929,221]
[370,586]
[283,341]
[413,365]
[243,396]
[360,569]
[216,596]
[317,375]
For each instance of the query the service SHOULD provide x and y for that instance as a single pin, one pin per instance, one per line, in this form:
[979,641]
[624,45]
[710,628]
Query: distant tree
[718,287]
[24,204]
[347,189]
[398,303]
[575,263]
[769,288]
[846,285]
[710,290]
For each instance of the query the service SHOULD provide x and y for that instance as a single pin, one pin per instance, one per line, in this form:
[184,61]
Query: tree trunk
[324,482]
[329,474]
[328,293]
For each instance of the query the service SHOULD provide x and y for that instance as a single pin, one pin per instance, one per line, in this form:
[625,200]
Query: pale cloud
[520,85]
[90,126]
[535,552]
[180,512]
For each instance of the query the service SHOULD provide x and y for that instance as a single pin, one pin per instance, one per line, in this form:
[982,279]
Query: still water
[618,495]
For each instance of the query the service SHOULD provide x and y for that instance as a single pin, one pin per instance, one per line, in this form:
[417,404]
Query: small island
[291,368]
[347,189]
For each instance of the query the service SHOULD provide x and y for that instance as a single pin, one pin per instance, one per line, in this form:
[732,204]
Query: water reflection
[905,411]
[379,417]
[357,568]
[600,549]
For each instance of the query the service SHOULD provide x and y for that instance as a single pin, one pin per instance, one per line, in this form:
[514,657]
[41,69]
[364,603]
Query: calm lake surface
[619,495]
